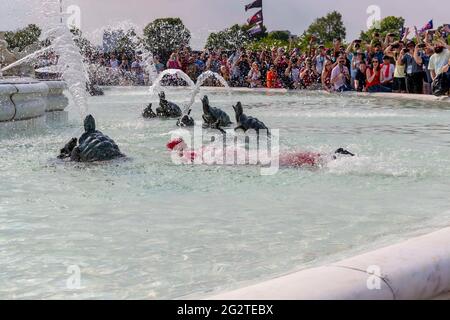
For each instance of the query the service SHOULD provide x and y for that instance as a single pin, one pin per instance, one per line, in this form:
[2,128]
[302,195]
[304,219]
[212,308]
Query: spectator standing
[272,78]
[308,75]
[373,75]
[361,78]
[174,62]
[387,72]
[158,65]
[340,75]
[254,76]
[413,66]
[439,60]
[326,75]
[113,62]
[293,72]
[320,58]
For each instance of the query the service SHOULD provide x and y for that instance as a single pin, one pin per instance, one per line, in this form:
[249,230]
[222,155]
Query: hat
[173,143]
[411,43]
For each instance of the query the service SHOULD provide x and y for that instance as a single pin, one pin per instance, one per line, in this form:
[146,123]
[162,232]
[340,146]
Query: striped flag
[255,4]
[255,30]
[257,18]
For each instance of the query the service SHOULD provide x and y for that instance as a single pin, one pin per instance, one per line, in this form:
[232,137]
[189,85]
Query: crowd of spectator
[382,65]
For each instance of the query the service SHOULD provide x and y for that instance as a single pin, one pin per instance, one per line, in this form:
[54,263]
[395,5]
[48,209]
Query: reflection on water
[146,228]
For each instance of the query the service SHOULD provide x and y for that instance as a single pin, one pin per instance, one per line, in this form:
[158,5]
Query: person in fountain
[286,159]
[214,117]
[92,146]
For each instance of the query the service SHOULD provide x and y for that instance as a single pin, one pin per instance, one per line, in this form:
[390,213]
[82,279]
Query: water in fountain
[70,60]
[200,81]
[157,87]
[27,58]
[149,63]
[133,41]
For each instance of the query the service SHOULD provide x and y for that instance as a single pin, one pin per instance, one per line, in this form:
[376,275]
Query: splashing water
[134,42]
[157,87]
[27,58]
[70,61]
[200,81]
[149,64]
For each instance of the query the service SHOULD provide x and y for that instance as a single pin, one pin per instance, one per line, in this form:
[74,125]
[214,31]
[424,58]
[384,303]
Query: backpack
[441,85]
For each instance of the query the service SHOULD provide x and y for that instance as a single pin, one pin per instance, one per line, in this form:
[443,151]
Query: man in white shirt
[438,60]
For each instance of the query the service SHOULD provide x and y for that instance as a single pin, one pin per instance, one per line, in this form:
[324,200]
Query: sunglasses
[374,61]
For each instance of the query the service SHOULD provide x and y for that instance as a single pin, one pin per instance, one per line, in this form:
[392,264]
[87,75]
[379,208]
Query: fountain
[157,87]
[200,81]
[128,32]
[196,87]
[23,98]
[70,59]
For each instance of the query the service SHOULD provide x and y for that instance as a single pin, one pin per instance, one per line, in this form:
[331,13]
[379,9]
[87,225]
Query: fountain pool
[148,229]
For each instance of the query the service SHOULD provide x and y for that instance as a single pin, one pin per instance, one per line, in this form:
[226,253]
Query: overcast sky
[204,16]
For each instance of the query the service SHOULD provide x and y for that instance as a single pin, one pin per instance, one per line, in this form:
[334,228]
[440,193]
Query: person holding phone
[174,61]
[340,75]
[412,60]
[373,75]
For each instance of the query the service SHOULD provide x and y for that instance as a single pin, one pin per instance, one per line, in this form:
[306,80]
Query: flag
[257,18]
[428,26]
[257,29]
[254,4]
[402,32]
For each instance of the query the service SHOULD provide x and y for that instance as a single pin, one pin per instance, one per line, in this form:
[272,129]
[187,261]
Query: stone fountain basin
[27,98]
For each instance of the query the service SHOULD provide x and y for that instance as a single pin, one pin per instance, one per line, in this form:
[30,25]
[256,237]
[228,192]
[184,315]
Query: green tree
[280,35]
[84,44]
[387,25]
[327,28]
[119,40]
[163,36]
[267,43]
[24,37]
[229,39]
